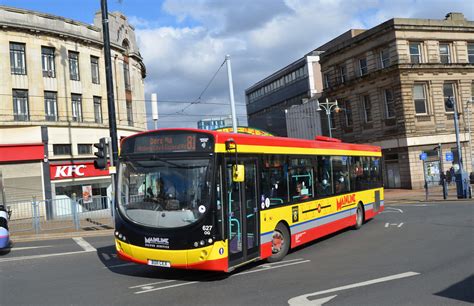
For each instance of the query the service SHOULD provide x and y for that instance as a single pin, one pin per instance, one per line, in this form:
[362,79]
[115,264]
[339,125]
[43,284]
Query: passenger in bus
[301,191]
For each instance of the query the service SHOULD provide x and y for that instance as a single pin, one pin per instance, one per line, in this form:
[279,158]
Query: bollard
[426,190]
[36,222]
[75,218]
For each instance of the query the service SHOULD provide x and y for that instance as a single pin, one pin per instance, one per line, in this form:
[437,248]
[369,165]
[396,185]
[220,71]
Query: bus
[208,200]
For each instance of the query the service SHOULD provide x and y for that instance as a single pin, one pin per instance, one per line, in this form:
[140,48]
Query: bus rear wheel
[359,216]
[280,243]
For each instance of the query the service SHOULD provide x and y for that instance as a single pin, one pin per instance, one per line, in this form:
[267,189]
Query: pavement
[392,196]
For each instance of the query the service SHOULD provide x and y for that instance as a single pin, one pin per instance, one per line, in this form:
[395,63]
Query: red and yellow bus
[208,200]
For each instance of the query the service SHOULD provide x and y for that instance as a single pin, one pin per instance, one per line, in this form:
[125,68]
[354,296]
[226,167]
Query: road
[410,254]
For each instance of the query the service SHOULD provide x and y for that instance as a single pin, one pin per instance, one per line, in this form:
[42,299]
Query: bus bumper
[213,257]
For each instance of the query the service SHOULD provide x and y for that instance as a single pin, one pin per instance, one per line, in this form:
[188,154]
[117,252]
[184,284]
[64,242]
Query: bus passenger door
[242,214]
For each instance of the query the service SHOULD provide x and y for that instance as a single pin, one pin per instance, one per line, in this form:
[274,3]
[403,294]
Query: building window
[327,82]
[129,113]
[76,107]
[61,149]
[472,92]
[367,108]
[384,58]
[84,149]
[73,65]
[95,70]
[444,55]
[332,121]
[348,113]
[47,57]
[470,53]
[389,104]
[17,58]
[98,110]
[50,106]
[448,92]
[415,52]
[363,66]
[419,98]
[126,75]
[342,74]
[20,105]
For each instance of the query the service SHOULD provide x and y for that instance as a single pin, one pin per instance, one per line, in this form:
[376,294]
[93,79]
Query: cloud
[261,37]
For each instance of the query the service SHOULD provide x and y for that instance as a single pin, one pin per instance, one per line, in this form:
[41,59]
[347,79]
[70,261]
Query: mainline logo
[345,200]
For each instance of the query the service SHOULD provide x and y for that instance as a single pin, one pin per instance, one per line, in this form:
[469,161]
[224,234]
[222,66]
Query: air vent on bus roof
[327,139]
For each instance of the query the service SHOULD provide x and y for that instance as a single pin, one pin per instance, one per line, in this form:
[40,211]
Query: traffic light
[101,160]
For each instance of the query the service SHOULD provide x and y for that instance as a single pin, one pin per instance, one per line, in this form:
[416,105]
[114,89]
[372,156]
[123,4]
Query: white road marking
[394,224]
[303,299]
[86,246]
[391,209]
[41,256]
[166,287]
[29,248]
[268,265]
[149,287]
[156,283]
[272,267]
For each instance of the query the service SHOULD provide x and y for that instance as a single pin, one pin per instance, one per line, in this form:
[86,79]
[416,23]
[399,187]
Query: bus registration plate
[159,263]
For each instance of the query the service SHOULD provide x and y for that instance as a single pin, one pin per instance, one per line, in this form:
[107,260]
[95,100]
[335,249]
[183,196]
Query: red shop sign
[70,170]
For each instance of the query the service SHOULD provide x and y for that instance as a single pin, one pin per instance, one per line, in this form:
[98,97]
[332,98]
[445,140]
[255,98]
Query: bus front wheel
[359,216]
[280,243]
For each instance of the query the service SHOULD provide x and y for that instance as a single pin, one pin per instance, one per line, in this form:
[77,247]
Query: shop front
[80,180]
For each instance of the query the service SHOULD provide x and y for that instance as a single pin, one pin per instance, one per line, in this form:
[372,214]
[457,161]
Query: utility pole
[231,94]
[109,80]
[154,110]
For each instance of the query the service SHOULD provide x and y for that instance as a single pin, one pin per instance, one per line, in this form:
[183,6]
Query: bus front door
[242,214]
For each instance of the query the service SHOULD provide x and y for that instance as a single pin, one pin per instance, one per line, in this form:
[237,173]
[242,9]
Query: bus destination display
[159,143]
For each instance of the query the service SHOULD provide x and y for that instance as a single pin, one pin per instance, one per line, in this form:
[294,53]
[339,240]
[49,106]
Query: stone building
[53,100]
[391,83]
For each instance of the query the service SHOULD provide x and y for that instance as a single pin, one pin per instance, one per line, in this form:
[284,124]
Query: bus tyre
[359,216]
[280,243]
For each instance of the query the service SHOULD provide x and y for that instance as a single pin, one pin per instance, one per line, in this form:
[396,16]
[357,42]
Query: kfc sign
[67,171]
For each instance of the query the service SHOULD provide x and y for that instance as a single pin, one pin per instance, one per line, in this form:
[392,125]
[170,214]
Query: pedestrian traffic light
[101,160]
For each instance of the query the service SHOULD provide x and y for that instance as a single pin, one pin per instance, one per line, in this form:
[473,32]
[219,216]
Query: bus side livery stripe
[295,150]
[319,221]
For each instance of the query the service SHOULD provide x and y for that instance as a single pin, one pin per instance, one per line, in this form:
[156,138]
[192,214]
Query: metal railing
[38,216]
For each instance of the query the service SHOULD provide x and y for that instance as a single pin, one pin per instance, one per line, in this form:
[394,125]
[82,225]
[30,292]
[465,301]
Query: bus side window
[324,182]
[273,180]
[301,179]
[340,168]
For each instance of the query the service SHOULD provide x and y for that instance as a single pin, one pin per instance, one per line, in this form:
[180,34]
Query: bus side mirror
[238,173]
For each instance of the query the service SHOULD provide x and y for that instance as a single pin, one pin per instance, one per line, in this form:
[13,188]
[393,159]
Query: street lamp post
[468,111]
[461,176]
[328,106]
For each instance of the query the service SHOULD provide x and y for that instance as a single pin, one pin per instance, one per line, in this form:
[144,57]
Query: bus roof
[282,145]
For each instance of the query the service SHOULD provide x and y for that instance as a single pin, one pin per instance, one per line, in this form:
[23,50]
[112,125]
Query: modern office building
[268,99]
[53,100]
[392,82]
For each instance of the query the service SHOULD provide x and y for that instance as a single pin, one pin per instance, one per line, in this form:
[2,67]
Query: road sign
[449,156]
[423,156]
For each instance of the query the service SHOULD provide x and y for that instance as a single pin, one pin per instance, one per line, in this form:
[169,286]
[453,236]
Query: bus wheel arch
[360,215]
[281,242]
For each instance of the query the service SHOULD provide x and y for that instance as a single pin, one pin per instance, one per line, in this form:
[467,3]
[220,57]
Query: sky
[184,42]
